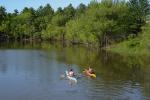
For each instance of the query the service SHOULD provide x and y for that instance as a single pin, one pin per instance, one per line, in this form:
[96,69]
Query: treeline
[102,22]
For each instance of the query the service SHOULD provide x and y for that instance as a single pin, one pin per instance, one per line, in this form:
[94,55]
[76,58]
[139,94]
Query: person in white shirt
[71,73]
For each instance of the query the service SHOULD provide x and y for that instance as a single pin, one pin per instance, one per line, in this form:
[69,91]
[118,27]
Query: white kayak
[72,79]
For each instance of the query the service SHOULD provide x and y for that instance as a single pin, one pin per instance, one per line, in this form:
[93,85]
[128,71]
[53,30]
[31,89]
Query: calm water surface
[32,72]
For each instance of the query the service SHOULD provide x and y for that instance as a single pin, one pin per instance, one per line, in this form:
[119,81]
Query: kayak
[73,79]
[85,72]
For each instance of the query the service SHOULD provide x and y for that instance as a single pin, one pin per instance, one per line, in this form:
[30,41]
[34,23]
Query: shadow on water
[41,64]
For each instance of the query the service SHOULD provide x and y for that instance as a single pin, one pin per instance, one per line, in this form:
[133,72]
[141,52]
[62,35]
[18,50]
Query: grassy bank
[136,46]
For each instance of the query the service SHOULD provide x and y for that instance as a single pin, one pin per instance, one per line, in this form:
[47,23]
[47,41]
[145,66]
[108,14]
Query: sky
[10,5]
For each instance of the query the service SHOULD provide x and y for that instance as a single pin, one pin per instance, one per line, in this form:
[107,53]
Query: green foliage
[2,14]
[102,22]
[59,20]
[139,9]
[52,32]
[80,10]
[138,46]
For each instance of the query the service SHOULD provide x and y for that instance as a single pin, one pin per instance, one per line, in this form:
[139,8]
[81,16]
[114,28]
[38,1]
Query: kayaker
[71,73]
[91,71]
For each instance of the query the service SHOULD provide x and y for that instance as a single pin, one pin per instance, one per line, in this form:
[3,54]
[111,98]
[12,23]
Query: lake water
[32,72]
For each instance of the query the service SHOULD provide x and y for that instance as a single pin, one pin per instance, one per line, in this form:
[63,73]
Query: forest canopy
[102,22]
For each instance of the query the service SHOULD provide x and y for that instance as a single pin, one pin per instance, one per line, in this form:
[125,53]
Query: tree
[69,11]
[44,16]
[15,12]
[80,10]
[59,11]
[2,13]
[139,9]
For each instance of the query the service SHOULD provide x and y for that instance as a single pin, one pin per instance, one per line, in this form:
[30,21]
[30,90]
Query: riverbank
[137,46]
